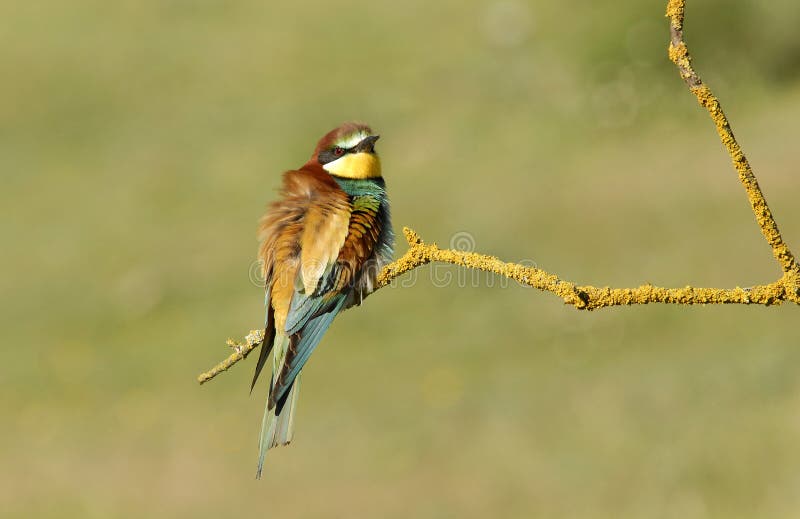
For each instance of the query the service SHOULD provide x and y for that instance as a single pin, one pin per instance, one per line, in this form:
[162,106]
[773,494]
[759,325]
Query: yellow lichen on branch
[679,55]
[582,297]
[586,297]
[675,9]
[240,351]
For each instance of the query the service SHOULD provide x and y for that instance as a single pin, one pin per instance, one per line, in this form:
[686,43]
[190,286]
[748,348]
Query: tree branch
[679,55]
[240,351]
[586,297]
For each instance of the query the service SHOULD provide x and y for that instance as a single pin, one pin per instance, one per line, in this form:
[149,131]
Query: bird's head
[349,152]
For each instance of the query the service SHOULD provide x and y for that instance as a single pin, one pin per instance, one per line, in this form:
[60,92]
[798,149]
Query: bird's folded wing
[281,233]
[300,348]
[333,252]
[325,230]
[313,305]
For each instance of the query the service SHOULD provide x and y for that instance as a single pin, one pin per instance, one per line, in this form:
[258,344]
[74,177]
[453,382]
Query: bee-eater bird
[322,246]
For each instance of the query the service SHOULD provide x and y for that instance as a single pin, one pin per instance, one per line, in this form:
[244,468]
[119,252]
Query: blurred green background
[140,141]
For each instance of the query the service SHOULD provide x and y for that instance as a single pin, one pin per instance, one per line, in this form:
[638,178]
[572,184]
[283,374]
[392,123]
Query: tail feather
[277,426]
[284,430]
[267,342]
[268,424]
[277,429]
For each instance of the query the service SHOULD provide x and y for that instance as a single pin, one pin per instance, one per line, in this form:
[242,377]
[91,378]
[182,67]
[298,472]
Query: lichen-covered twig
[679,54]
[582,297]
[586,297]
[240,351]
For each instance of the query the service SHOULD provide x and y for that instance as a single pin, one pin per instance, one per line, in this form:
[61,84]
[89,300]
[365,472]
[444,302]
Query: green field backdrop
[141,140]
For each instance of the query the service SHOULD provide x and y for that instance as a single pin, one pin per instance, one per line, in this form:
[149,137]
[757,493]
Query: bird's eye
[338,151]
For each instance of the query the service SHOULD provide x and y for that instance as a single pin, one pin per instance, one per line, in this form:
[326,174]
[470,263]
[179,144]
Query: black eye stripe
[330,155]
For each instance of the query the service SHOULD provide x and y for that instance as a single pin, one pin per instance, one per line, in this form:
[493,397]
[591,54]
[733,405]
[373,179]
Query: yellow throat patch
[355,165]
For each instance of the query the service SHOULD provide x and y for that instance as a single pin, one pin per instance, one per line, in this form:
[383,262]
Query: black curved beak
[367,144]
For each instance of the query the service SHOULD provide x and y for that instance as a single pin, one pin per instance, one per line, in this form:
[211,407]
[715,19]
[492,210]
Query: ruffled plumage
[322,245]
